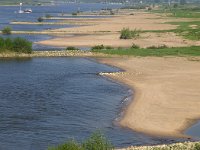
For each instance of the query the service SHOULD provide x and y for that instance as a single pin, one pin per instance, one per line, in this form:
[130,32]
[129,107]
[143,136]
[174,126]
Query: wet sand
[166,93]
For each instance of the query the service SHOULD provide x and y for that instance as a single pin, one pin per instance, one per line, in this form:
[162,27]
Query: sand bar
[166,93]
[106,31]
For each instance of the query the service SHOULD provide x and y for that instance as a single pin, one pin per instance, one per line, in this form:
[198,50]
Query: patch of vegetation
[180,11]
[95,142]
[157,47]
[176,51]
[71,48]
[6,30]
[126,33]
[18,45]
[189,30]
[74,14]
[48,16]
[40,19]
[100,47]
[134,46]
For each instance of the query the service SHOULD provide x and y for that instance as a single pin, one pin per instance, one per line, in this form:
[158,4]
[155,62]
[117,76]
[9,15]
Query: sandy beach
[106,31]
[166,93]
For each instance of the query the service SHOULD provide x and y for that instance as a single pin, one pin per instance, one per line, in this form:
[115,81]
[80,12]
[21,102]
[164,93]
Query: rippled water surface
[45,101]
[8,14]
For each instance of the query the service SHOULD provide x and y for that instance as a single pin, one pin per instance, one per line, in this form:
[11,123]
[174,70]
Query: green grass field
[178,51]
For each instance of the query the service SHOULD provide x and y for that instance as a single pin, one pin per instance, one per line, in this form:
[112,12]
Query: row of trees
[18,45]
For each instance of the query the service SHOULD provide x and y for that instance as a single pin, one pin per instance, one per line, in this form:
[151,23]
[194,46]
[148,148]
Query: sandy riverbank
[166,93]
[166,90]
[106,31]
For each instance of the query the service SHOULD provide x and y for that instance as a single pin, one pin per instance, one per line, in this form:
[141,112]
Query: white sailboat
[29,10]
[20,10]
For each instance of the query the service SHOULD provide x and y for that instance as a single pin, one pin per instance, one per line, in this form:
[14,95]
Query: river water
[45,101]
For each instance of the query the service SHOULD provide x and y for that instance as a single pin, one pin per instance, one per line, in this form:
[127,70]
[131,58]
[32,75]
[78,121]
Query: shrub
[98,47]
[157,47]
[101,47]
[40,19]
[6,30]
[175,5]
[48,16]
[74,14]
[149,9]
[70,145]
[134,46]
[16,45]
[126,33]
[22,45]
[108,47]
[71,48]
[96,142]
[8,44]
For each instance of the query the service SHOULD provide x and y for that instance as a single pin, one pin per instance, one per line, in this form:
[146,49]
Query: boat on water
[27,10]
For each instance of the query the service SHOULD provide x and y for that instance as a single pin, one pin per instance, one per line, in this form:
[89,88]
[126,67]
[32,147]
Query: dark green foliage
[40,19]
[98,47]
[6,31]
[126,33]
[8,44]
[74,14]
[48,16]
[101,47]
[157,47]
[19,45]
[71,48]
[175,5]
[96,142]
[135,46]
[22,45]
[70,145]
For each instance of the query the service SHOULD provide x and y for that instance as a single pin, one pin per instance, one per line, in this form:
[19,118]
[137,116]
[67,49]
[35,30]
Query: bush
[74,14]
[98,47]
[48,16]
[149,9]
[126,33]
[96,142]
[6,30]
[175,5]
[70,145]
[22,45]
[40,19]
[71,48]
[16,45]
[134,46]
[157,47]
[101,47]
